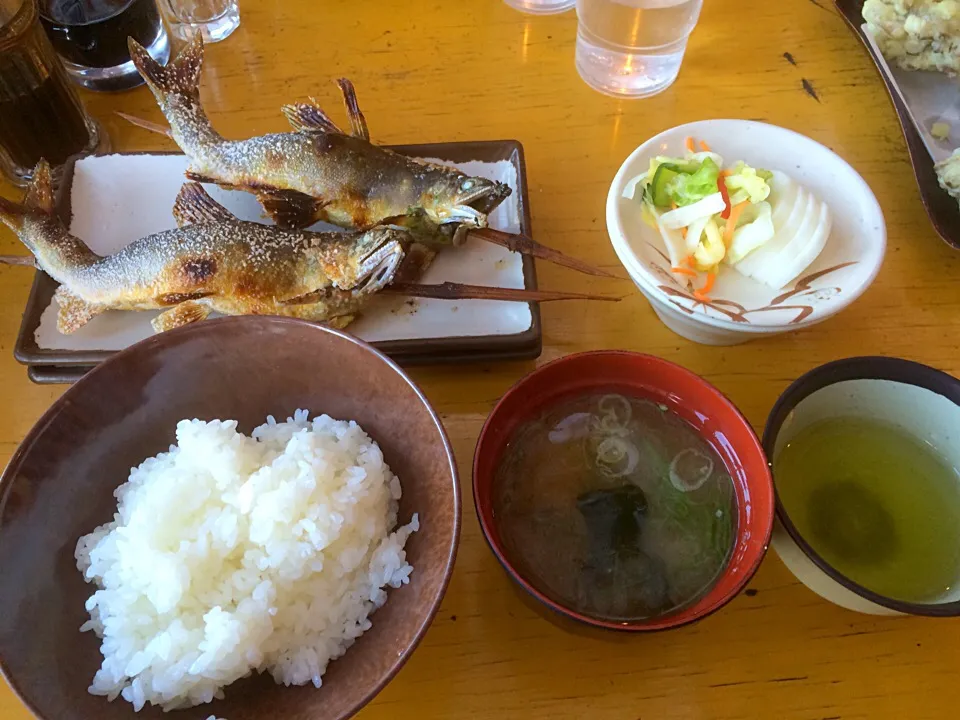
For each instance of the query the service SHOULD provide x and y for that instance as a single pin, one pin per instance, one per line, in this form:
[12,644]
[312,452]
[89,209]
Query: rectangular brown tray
[518,346]
[54,375]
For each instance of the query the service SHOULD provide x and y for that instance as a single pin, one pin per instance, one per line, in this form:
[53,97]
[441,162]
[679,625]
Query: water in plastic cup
[542,7]
[633,48]
[214,19]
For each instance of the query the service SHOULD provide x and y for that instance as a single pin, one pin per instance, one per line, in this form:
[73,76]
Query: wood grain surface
[430,71]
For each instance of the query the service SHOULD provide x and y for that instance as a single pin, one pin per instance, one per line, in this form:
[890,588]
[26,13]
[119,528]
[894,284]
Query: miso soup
[615,507]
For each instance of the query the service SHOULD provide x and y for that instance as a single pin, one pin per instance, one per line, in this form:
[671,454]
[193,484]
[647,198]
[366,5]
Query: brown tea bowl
[59,485]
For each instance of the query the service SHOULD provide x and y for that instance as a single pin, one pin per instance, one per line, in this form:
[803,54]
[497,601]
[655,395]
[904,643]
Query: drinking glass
[40,114]
[542,7]
[633,48]
[215,19]
[91,38]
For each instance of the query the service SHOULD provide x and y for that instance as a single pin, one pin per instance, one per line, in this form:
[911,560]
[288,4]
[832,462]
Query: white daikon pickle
[759,264]
[783,197]
[802,251]
[802,225]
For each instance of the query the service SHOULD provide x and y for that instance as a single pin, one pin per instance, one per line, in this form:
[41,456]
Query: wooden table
[432,71]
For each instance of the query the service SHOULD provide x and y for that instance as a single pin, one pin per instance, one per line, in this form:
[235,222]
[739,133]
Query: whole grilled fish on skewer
[319,172]
[194,205]
[213,262]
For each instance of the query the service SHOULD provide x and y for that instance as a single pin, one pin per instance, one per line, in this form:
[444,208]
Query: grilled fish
[317,172]
[212,262]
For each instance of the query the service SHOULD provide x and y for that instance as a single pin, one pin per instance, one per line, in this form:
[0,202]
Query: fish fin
[340,321]
[195,206]
[418,258]
[180,76]
[74,312]
[183,314]
[357,122]
[39,197]
[314,296]
[177,298]
[310,118]
[197,177]
[290,208]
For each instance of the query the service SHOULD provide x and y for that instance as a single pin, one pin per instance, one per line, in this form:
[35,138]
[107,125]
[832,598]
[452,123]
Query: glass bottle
[91,38]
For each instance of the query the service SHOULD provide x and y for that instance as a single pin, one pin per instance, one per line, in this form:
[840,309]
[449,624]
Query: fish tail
[181,76]
[39,228]
[38,201]
[177,89]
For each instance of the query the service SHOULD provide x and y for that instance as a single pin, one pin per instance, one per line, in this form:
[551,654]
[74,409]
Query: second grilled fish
[213,262]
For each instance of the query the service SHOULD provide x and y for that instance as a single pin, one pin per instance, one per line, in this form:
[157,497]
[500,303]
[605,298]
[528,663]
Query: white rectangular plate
[116,199]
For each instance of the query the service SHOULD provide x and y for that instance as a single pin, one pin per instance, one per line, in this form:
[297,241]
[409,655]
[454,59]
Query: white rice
[232,554]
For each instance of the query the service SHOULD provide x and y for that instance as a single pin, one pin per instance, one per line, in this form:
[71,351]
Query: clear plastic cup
[633,48]
[542,7]
[214,19]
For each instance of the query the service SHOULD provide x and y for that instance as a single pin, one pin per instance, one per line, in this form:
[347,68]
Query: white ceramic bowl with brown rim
[920,401]
[740,308]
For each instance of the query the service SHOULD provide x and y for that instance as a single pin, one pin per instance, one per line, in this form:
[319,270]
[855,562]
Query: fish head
[377,256]
[458,199]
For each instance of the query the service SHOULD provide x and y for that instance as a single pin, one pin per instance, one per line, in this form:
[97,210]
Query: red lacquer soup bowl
[703,406]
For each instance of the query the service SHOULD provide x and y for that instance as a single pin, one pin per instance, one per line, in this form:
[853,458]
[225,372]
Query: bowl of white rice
[246,518]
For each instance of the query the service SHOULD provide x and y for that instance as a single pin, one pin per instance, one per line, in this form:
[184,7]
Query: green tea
[880,506]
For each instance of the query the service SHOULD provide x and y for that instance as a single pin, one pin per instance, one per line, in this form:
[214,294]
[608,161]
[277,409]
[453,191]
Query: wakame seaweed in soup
[615,507]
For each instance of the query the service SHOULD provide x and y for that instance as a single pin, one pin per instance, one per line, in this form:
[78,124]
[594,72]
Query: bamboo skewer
[26,260]
[528,246]
[441,291]
[459,291]
[146,124]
